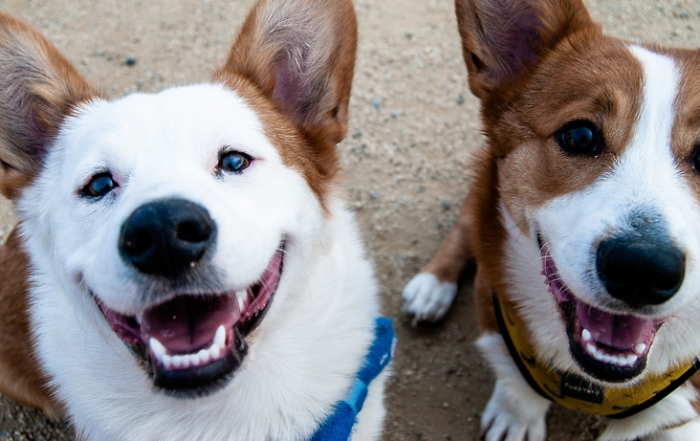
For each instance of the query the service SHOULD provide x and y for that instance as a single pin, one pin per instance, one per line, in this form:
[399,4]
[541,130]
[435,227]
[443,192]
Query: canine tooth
[157,348]
[640,348]
[215,352]
[242,296]
[139,318]
[586,335]
[220,337]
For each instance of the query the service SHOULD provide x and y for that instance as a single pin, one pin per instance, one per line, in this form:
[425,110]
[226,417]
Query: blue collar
[339,425]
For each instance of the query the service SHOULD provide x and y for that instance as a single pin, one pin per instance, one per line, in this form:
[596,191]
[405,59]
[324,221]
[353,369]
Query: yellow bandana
[578,393]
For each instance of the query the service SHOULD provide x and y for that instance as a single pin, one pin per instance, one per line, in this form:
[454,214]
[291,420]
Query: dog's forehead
[182,124]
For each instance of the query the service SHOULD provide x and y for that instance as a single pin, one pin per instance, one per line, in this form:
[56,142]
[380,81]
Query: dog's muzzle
[190,343]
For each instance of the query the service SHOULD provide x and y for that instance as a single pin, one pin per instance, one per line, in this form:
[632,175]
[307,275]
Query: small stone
[130,61]
[374,195]
[446,204]
[377,103]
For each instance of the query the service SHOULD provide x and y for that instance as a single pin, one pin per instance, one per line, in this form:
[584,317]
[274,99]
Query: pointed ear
[301,54]
[501,39]
[38,89]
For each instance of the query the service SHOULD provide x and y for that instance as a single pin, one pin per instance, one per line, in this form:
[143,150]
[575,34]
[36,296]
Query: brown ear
[301,54]
[503,38]
[38,89]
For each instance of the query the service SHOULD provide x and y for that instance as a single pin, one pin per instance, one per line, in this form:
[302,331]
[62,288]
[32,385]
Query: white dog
[195,274]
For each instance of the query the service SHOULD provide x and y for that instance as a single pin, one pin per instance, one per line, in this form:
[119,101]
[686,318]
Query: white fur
[304,354]
[515,412]
[428,299]
[644,178]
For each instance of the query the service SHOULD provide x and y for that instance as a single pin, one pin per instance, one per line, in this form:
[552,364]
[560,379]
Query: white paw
[427,299]
[506,419]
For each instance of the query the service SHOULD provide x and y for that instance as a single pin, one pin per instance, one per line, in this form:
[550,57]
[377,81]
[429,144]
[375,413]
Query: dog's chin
[192,344]
[610,347]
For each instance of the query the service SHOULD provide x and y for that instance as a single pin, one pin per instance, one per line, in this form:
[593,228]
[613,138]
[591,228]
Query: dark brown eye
[99,185]
[580,138]
[234,162]
[696,157]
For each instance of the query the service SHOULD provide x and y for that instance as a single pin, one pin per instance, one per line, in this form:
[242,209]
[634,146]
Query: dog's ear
[503,38]
[38,89]
[301,54]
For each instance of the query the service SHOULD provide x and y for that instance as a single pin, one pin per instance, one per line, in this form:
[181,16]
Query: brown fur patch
[38,89]
[20,375]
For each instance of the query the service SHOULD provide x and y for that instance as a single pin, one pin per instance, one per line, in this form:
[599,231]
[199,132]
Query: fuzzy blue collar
[339,425]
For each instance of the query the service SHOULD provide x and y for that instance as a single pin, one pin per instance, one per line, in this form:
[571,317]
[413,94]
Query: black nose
[166,237]
[640,269]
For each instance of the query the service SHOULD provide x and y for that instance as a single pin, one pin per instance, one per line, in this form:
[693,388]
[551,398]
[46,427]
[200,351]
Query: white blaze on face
[645,181]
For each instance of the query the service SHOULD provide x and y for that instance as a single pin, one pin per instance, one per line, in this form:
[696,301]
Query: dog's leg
[675,412]
[429,295]
[515,412]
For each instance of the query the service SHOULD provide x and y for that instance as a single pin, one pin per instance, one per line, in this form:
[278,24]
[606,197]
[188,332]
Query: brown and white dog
[583,221]
[184,267]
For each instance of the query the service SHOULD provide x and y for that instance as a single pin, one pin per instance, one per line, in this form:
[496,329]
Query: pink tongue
[188,323]
[617,331]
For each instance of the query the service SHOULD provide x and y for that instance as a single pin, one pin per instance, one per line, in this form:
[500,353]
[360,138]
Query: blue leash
[338,426]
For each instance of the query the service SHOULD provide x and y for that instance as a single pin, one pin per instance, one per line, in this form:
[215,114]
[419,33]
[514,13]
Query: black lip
[201,381]
[597,369]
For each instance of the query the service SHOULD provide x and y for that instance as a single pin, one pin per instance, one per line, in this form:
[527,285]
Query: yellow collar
[578,393]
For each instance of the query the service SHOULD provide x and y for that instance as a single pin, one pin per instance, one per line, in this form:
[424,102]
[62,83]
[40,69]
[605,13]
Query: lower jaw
[200,381]
[602,371]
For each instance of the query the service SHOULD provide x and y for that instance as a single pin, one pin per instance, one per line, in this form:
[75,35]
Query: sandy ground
[413,130]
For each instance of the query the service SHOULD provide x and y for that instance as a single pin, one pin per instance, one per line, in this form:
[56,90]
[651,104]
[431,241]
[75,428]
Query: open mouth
[192,344]
[610,347]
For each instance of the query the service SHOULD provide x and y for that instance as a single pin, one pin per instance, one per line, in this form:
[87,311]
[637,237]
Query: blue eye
[99,185]
[234,162]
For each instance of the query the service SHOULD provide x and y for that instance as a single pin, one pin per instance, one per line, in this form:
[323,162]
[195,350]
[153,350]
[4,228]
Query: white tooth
[168,362]
[139,318]
[640,348]
[157,348]
[632,359]
[185,361]
[194,360]
[220,337]
[614,359]
[586,335]
[177,361]
[606,358]
[215,352]
[203,356]
[591,349]
[242,296]
[598,355]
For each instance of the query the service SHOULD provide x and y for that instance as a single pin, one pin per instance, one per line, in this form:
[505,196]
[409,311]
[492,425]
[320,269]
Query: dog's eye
[233,162]
[99,185]
[696,157]
[580,138]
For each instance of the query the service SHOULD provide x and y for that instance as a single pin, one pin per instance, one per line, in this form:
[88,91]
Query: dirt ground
[414,127]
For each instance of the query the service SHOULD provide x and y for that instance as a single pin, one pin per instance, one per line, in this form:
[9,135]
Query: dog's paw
[428,299]
[505,419]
